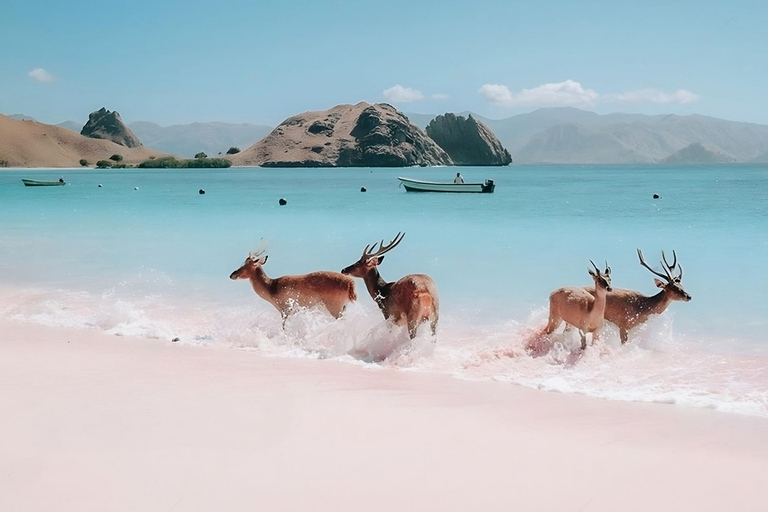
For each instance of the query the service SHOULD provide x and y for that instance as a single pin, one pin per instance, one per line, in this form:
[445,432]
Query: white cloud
[562,94]
[440,97]
[400,94]
[41,75]
[655,96]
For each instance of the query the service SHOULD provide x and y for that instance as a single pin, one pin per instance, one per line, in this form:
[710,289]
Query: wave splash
[658,365]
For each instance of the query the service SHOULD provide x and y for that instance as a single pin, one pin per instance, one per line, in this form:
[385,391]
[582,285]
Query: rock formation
[696,153]
[467,141]
[360,135]
[104,124]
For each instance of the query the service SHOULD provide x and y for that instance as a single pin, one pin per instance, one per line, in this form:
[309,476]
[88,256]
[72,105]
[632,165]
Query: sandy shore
[92,422]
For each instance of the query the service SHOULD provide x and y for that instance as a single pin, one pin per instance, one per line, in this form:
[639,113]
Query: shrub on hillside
[201,155]
[83,162]
[103,164]
[116,157]
[233,150]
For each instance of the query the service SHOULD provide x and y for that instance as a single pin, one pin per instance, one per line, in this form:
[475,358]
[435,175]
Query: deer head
[672,283]
[252,262]
[371,257]
[602,279]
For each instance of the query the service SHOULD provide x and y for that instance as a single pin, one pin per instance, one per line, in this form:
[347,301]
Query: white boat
[431,186]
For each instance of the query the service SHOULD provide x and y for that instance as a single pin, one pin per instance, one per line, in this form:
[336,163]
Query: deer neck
[262,284]
[600,293]
[656,304]
[377,286]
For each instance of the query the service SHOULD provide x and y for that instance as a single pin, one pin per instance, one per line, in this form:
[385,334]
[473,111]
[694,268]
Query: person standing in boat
[459,178]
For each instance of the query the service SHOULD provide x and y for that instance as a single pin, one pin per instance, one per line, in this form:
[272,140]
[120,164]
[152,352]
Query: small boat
[37,183]
[430,186]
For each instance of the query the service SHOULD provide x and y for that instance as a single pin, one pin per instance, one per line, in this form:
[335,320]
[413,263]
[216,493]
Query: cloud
[655,96]
[41,75]
[440,97]
[562,94]
[400,94]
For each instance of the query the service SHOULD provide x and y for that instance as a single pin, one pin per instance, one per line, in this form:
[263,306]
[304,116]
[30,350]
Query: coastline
[101,422]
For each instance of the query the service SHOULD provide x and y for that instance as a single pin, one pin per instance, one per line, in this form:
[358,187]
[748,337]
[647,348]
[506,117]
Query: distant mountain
[22,117]
[189,139]
[697,154]
[761,159]
[71,125]
[573,136]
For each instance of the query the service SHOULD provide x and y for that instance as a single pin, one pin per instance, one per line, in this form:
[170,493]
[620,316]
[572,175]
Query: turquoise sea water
[155,262]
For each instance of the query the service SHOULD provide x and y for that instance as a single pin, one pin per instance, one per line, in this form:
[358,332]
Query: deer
[628,309]
[579,308]
[331,290]
[411,301]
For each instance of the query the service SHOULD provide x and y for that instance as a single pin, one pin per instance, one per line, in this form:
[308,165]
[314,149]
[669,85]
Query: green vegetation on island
[170,162]
[84,162]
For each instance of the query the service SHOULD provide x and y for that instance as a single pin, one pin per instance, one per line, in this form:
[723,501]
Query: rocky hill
[360,135]
[105,124]
[33,144]
[697,154]
[467,141]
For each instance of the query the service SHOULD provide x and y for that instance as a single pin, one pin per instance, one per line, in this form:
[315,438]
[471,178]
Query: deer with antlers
[410,301]
[628,308]
[328,289]
[580,309]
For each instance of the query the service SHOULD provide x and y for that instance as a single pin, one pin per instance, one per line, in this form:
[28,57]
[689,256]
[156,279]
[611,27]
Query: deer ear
[381,258]
[265,259]
[591,272]
[659,283]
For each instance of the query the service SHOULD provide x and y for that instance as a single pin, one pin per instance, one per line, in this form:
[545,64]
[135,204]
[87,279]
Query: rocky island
[467,141]
[360,135]
[105,124]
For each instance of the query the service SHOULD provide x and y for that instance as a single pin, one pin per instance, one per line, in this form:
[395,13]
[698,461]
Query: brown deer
[628,308]
[329,289]
[410,301]
[579,308]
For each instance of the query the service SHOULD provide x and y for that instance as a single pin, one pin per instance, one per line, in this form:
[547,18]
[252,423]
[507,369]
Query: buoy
[363,189]
[656,196]
[99,185]
[282,201]
[201,191]
[135,188]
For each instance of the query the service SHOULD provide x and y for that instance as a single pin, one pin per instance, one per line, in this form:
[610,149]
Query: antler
[382,248]
[668,276]
[674,264]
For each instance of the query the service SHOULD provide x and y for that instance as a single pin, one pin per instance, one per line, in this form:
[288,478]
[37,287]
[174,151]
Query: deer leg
[583,340]
[624,335]
[553,324]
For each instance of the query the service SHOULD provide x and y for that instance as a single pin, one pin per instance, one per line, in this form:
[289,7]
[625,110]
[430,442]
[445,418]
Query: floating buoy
[363,189]
[656,196]
[201,191]
[99,185]
[282,201]
[135,188]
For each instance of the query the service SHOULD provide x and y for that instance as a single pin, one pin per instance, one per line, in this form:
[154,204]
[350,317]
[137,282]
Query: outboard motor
[489,186]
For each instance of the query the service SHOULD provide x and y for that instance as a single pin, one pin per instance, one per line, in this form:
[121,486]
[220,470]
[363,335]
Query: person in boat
[459,178]
[61,180]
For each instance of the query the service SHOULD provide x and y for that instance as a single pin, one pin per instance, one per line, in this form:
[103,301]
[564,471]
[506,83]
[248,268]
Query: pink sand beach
[93,422]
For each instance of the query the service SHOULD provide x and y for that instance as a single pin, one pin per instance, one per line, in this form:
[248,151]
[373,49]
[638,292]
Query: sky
[171,61]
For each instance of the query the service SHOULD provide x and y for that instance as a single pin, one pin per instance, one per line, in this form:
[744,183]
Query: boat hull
[466,188]
[36,183]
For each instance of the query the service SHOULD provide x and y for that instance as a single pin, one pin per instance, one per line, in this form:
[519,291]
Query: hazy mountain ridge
[573,136]
[189,139]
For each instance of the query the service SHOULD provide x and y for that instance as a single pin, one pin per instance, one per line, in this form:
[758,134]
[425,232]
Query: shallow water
[155,262]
